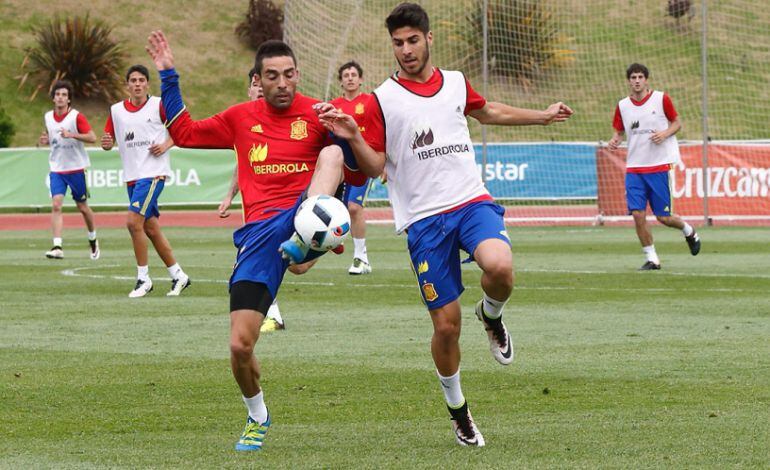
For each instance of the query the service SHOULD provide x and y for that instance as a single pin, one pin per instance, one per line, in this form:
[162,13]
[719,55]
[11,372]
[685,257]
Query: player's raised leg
[496,262]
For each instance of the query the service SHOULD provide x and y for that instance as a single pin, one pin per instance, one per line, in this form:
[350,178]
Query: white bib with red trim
[135,132]
[66,154]
[640,122]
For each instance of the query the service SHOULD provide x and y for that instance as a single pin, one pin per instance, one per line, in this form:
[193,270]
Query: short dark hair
[408,14]
[138,68]
[252,72]
[62,84]
[348,65]
[272,48]
[637,68]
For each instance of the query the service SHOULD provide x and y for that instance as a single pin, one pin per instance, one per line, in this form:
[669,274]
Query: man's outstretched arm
[213,132]
[504,115]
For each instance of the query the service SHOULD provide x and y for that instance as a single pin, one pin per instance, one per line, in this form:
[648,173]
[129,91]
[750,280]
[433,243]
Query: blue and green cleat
[253,435]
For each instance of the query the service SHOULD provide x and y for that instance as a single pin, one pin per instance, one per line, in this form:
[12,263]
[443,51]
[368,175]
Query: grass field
[614,368]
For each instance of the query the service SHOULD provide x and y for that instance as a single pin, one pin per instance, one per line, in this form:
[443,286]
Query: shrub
[7,129]
[263,21]
[79,50]
[524,41]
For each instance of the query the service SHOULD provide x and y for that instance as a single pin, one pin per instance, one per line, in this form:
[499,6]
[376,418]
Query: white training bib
[431,163]
[135,132]
[66,154]
[640,122]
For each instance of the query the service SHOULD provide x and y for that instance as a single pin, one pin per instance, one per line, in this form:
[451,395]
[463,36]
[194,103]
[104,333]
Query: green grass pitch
[614,368]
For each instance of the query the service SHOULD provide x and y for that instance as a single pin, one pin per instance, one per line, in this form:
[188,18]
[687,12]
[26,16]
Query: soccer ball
[322,222]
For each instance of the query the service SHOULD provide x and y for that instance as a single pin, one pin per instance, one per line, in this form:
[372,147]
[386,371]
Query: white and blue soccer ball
[322,222]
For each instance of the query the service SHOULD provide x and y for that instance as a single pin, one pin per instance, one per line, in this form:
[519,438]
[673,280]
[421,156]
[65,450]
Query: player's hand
[107,141]
[66,134]
[159,50]
[223,206]
[43,139]
[341,124]
[614,143]
[557,112]
[658,137]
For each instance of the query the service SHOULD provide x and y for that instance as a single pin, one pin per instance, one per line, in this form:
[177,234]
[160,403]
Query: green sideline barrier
[199,177]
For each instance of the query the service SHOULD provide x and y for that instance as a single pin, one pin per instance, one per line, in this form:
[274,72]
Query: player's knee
[500,270]
[330,157]
[447,330]
[134,226]
[56,204]
[664,219]
[241,348]
[82,207]
[150,231]
[354,209]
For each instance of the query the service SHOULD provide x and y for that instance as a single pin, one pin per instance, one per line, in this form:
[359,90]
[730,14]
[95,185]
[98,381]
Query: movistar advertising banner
[513,171]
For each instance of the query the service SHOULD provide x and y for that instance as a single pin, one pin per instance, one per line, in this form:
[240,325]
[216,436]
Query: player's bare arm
[160,51]
[505,115]
[673,128]
[231,193]
[89,137]
[107,141]
[370,162]
[616,140]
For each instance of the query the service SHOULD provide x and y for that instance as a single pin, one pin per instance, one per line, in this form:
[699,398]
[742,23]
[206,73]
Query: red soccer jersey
[375,126]
[277,149]
[357,107]
[109,128]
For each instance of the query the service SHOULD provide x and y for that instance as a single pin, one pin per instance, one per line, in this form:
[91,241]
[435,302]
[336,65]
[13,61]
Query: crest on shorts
[298,129]
[429,292]
[360,108]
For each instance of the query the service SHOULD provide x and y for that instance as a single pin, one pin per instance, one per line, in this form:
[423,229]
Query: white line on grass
[76,272]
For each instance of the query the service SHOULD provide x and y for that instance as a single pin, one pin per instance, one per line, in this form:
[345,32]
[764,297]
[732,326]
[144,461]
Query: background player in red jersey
[283,152]
[355,103]
[66,130]
[651,122]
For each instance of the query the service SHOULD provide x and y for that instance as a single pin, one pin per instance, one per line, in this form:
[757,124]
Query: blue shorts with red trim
[654,188]
[356,194]
[258,259]
[143,196]
[435,243]
[75,181]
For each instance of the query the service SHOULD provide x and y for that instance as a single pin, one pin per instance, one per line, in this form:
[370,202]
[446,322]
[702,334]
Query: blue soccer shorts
[75,181]
[654,188]
[357,194]
[258,259]
[143,196]
[435,243]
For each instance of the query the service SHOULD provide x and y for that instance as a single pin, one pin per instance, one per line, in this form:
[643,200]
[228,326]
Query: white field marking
[76,272]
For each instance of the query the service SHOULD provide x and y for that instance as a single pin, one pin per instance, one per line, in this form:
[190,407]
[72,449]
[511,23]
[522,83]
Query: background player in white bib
[651,122]
[421,137]
[355,103]
[143,143]
[66,130]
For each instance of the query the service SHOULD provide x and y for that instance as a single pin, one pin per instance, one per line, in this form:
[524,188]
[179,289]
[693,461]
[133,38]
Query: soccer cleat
[359,266]
[178,285]
[649,266]
[142,288]
[253,435]
[500,343]
[55,253]
[466,432]
[693,241]
[95,253]
[271,324]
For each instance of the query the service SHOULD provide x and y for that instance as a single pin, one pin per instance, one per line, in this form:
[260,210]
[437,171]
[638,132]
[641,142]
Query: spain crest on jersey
[429,291]
[298,129]
[360,108]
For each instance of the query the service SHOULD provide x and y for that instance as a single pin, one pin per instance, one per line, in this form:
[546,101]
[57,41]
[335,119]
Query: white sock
[453,393]
[143,273]
[256,407]
[175,271]
[92,235]
[493,308]
[274,313]
[687,230]
[359,249]
[649,252]
[57,241]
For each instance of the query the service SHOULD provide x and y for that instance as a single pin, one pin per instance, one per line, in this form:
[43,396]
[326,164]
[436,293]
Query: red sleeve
[474,100]
[375,126]
[668,108]
[211,133]
[162,113]
[82,124]
[617,121]
[108,127]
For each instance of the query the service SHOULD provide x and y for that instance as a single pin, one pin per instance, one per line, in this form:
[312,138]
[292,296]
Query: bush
[524,41]
[78,50]
[7,129]
[263,21]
